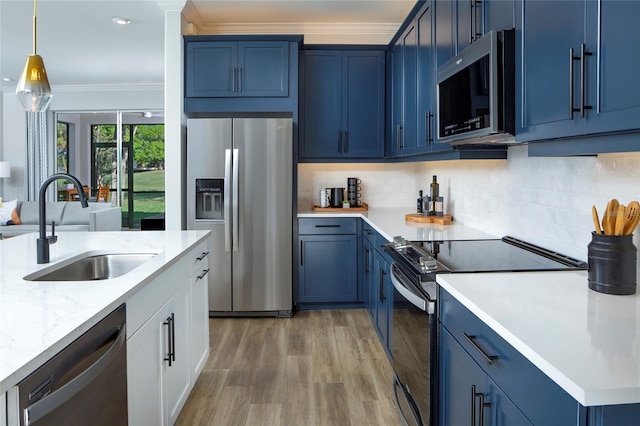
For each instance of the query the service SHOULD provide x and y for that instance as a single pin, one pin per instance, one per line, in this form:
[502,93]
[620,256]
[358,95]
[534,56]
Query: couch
[68,216]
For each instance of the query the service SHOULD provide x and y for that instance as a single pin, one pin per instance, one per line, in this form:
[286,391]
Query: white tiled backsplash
[543,200]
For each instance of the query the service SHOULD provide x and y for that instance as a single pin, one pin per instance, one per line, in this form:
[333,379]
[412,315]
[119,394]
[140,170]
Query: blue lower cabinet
[467,394]
[383,295]
[327,263]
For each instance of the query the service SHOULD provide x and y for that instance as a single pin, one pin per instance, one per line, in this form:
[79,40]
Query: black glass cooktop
[496,255]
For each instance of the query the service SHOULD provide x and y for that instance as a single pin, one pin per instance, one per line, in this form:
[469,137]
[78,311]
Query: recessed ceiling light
[121,21]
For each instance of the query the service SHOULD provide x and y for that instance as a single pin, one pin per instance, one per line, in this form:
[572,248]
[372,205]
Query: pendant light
[33,88]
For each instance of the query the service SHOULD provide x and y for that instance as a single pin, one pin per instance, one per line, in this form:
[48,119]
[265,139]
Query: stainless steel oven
[414,346]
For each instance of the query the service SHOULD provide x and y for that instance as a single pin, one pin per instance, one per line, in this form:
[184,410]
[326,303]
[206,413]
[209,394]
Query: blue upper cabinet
[237,69]
[342,109]
[405,80]
[581,54]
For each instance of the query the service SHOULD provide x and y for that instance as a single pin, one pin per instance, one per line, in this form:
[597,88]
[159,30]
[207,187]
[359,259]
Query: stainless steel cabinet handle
[472,339]
[482,406]
[46,405]
[327,226]
[201,276]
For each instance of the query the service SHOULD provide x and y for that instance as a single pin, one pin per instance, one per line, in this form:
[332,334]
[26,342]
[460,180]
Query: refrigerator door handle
[227,202]
[236,214]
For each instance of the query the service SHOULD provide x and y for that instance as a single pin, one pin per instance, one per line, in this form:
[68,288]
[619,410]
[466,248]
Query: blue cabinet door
[459,376]
[614,90]
[263,69]
[384,299]
[328,268]
[210,69]
[363,104]
[444,27]
[217,69]
[501,410]
[550,30]
[397,100]
[342,113]
[321,107]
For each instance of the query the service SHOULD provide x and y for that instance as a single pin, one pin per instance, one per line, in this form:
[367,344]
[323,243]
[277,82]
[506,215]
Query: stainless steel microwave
[476,92]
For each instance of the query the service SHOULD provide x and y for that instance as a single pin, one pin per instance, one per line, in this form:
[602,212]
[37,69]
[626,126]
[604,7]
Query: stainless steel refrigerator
[239,186]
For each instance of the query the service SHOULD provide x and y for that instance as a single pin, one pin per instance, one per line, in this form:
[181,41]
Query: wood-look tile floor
[324,367]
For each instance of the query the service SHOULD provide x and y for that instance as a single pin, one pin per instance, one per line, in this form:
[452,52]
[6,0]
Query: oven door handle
[421,303]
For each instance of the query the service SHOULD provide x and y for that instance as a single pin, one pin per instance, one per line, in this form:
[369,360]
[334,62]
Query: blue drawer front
[327,226]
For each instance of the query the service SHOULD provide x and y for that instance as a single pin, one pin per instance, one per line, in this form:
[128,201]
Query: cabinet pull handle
[327,226]
[202,256]
[205,272]
[473,405]
[233,79]
[583,53]
[239,79]
[427,125]
[482,406]
[571,59]
[346,141]
[398,130]
[170,339]
[381,285]
[301,253]
[366,261]
[581,58]
[475,5]
[471,30]
[339,140]
[472,339]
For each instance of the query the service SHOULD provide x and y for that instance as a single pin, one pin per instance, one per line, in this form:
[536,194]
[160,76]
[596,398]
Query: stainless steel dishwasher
[84,384]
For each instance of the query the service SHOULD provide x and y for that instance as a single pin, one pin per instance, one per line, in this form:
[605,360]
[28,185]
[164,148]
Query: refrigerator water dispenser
[210,199]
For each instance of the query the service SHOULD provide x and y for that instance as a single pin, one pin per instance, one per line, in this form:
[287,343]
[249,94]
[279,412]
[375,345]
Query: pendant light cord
[35,2]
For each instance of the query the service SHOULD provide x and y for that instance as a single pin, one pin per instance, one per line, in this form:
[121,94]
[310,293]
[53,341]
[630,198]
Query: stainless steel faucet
[43,241]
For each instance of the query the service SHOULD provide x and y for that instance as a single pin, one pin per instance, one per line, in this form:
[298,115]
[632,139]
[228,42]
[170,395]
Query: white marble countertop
[38,319]
[390,222]
[585,341]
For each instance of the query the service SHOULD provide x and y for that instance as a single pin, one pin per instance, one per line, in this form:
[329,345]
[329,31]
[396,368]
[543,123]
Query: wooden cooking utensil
[609,219]
[596,219]
[632,217]
[620,220]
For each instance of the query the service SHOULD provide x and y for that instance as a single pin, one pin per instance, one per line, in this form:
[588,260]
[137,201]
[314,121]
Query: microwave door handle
[227,200]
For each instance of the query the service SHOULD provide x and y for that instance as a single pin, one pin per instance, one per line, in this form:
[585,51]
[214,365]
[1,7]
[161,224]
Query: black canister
[612,264]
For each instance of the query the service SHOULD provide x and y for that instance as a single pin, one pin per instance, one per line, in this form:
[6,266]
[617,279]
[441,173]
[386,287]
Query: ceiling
[81,45]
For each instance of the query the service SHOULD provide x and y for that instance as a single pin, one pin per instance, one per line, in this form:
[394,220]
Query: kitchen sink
[92,267]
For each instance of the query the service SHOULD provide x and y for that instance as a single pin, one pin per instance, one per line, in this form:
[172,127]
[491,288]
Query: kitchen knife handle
[236,198]
[227,200]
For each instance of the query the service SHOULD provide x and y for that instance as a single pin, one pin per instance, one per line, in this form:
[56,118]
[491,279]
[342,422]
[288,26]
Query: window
[62,148]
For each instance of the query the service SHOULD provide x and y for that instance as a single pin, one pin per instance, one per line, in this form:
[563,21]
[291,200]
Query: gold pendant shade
[33,88]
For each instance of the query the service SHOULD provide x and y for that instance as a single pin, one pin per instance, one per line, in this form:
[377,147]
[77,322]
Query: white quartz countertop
[390,222]
[585,341]
[38,319]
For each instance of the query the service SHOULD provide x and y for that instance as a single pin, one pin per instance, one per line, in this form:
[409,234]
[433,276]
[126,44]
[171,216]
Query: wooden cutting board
[418,218]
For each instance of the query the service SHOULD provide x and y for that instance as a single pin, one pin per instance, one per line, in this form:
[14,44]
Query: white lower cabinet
[166,353]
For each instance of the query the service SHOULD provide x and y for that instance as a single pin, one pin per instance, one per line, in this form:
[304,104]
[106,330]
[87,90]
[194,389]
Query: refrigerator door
[262,276]
[209,145]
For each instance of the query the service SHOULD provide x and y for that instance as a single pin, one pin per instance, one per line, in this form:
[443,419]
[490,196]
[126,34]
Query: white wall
[546,201]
